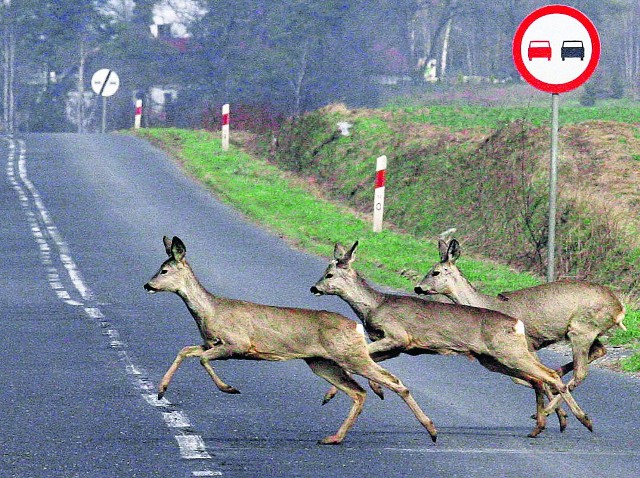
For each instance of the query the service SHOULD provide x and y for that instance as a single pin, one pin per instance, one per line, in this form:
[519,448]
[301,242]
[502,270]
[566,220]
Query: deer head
[442,276]
[340,277]
[170,277]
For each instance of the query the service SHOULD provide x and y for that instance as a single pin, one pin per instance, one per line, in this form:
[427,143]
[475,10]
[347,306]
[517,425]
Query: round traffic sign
[105,82]
[556,48]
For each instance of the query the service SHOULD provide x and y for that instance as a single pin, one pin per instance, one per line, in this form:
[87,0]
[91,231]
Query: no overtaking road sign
[556,48]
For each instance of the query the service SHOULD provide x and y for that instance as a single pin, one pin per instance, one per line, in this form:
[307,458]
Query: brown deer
[332,345]
[404,324]
[579,312]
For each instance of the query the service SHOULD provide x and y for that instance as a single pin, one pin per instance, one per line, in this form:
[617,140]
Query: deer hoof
[563,422]
[330,440]
[329,395]
[377,389]
[586,421]
[231,390]
[536,431]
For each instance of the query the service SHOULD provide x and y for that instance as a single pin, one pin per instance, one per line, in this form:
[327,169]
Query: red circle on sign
[519,60]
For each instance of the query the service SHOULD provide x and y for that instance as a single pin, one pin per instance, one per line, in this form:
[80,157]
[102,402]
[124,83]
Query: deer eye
[435,273]
[328,276]
[163,271]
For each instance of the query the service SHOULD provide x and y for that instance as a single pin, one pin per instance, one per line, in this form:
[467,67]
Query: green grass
[464,117]
[286,205]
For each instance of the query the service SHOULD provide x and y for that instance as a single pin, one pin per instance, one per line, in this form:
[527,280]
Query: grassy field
[291,207]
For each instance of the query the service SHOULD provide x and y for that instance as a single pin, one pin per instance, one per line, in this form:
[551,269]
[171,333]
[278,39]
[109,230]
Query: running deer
[332,345]
[407,324]
[579,312]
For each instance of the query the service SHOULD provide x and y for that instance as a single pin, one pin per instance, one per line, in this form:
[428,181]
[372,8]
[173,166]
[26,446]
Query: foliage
[489,183]
[292,208]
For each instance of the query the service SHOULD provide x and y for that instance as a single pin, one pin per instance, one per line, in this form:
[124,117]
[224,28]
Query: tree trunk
[445,49]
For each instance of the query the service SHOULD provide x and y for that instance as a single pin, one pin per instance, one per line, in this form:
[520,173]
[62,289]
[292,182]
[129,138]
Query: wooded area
[287,56]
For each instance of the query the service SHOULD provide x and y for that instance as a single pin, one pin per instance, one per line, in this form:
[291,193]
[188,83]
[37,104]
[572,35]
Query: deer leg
[379,351]
[215,353]
[190,351]
[596,351]
[333,391]
[537,371]
[541,418]
[375,372]
[339,378]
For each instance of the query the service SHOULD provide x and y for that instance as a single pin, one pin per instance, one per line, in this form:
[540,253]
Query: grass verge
[288,206]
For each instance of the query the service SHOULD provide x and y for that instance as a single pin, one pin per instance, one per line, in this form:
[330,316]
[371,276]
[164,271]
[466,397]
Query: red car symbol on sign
[539,49]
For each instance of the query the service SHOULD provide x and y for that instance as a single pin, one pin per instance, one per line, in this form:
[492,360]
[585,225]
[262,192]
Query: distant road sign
[105,82]
[556,48]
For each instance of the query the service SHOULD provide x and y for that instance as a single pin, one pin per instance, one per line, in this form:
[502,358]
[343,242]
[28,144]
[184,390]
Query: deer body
[330,344]
[579,312]
[404,324]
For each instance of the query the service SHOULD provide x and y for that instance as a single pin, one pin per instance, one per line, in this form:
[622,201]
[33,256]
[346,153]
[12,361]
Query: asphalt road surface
[83,348]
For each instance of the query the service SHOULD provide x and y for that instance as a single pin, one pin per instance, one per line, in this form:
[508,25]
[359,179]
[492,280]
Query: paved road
[83,348]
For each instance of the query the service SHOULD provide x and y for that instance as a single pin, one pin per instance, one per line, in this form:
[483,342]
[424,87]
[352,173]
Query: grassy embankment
[290,206]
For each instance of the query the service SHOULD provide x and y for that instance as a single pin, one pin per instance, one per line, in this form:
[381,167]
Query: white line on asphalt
[191,445]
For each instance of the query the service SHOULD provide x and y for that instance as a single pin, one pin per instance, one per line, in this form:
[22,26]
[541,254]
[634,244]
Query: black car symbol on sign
[572,49]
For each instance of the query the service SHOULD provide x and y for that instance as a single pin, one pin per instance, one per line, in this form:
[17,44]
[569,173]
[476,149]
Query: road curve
[83,348]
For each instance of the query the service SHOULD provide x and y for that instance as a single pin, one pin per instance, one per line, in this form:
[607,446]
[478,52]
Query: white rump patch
[519,328]
[360,329]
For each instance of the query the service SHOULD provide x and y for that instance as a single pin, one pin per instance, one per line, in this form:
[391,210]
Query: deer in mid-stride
[332,345]
[580,312]
[407,324]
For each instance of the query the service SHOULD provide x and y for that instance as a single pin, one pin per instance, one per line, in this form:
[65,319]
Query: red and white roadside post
[378,201]
[225,127]
[138,115]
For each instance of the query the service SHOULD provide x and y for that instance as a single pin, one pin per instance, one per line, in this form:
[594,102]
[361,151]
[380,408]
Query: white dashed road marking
[56,256]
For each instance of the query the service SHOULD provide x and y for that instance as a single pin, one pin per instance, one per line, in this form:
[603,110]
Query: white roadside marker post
[378,201]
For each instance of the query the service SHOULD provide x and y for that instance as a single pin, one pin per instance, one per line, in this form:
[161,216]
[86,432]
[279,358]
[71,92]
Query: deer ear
[339,251]
[350,256]
[453,252]
[167,245]
[178,249]
[443,249]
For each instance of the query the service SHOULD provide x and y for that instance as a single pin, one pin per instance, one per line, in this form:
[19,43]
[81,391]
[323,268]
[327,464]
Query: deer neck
[197,299]
[464,293]
[363,298]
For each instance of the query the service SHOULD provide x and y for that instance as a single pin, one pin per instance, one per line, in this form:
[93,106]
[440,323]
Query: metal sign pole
[104,114]
[553,190]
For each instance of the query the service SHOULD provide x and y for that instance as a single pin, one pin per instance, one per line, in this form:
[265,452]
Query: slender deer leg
[562,415]
[379,351]
[374,372]
[541,418]
[338,377]
[214,354]
[191,351]
[539,372]
[333,391]
[596,351]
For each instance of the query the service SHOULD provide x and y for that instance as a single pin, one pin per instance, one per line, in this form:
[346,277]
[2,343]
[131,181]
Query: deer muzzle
[150,289]
[316,291]
[420,291]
